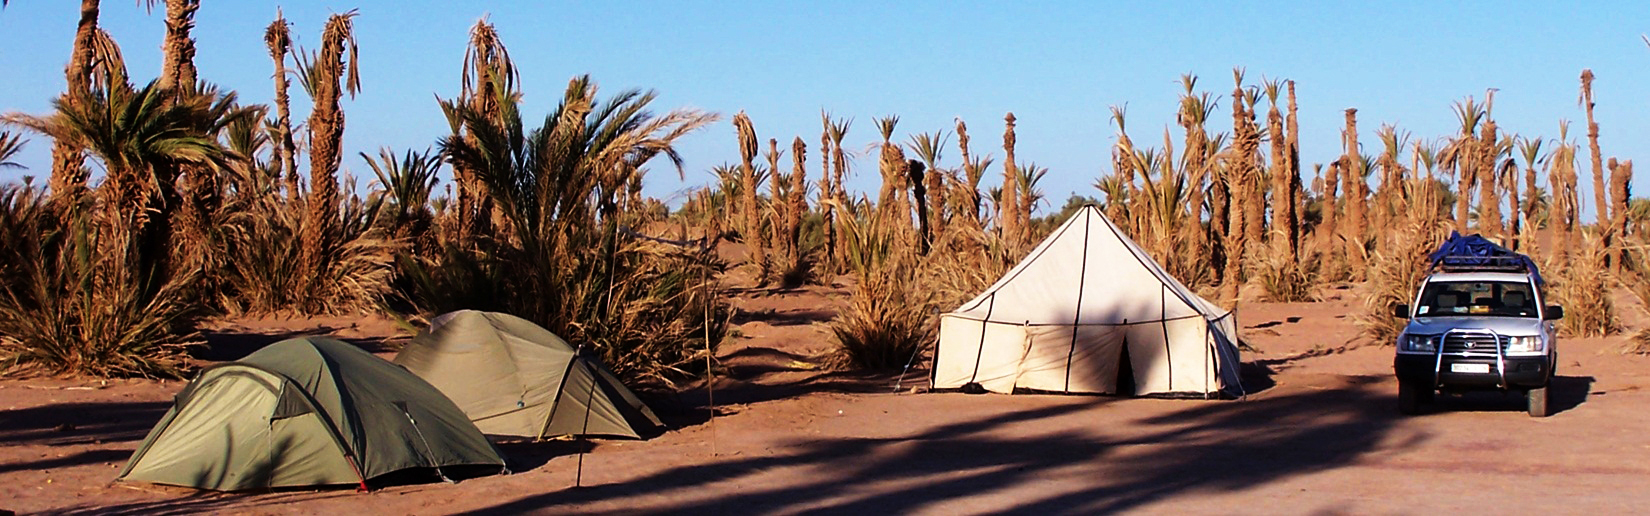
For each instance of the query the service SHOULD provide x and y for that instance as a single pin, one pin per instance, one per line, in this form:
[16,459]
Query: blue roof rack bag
[1476,253]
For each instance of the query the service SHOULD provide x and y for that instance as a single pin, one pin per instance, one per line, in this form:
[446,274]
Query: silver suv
[1477,324]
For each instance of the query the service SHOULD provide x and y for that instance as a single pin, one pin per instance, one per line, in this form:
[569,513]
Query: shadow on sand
[1204,448]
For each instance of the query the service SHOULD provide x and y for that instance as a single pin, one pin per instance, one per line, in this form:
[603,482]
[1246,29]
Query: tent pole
[1163,318]
[979,352]
[589,397]
[1077,316]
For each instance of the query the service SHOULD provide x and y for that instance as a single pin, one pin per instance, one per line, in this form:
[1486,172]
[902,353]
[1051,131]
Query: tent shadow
[231,345]
[523,455]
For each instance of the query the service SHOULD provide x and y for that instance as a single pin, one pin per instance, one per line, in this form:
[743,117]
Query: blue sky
[1058,66]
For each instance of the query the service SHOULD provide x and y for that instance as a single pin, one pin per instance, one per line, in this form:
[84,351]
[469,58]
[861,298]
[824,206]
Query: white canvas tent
[1062,319]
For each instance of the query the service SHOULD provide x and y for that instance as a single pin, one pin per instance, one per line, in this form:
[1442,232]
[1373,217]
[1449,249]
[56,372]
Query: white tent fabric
[1060,319]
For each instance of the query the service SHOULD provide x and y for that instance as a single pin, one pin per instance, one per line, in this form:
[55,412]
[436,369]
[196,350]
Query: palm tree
[10,145]
[178,63]
[68,180]
[1282,206]
[1460,156]
[407,183]
[751,222]
[121,259]
[278,37]
[328,75]
[562,188]
[931,214]
[1530,150]
[1355,186]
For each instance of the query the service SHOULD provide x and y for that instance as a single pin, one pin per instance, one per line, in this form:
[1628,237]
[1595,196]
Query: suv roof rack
[1474,253]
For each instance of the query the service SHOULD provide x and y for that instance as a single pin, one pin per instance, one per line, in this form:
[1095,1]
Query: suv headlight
[1526,344]
[1425,343]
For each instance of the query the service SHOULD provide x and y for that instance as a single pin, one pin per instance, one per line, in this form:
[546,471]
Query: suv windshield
[1477,298]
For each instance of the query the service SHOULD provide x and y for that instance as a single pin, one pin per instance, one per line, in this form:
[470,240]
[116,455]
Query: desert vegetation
[172,201]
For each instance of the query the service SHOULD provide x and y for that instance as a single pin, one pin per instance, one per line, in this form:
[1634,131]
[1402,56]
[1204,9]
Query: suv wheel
[1410,397]
[1538,401]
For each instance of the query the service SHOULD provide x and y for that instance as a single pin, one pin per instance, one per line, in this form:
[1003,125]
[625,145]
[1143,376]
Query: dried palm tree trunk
[916,171]
[1621,176]
[1489,199]
[797,201]
[1356,192]
[972,196]
[1293,169]
[68,181]
[1561,175]
[935,215]
[326,134]
[1329,242]
[1509,183]
[1282,196]
[751,230]
[827,191]
[1254,185]
[839,169]
[1531,197]
[1599,201]
[178,63]
[1008,212]
[278,37]
[488,77]
[777,201]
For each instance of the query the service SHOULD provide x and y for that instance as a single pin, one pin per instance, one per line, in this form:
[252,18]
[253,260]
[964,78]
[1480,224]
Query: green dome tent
[515,378]
[304,412]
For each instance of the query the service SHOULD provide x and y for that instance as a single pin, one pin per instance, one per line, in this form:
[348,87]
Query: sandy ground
[1319,434]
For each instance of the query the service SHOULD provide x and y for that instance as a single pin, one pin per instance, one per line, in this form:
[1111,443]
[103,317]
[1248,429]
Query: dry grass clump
[890,317]
[1583,291]
[1284,280]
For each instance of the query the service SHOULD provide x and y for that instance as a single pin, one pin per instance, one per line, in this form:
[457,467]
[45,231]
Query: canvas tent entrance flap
[1061,318]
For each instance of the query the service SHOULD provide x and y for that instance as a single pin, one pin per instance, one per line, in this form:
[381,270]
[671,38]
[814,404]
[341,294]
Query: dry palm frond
[10,145]
[1395,273]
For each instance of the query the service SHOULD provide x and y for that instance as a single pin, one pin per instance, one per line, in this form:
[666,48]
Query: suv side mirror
[1400,311]
[1553,313]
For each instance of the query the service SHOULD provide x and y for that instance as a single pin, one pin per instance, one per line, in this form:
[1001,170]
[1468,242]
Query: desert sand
[1318,433]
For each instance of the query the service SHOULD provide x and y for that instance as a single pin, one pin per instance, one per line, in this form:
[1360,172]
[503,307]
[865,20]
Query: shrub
[1582,289]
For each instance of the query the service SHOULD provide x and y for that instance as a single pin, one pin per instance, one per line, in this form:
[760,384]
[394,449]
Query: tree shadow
[230,345]
[797,317]
[1205,447]
[78,459]
[80,423]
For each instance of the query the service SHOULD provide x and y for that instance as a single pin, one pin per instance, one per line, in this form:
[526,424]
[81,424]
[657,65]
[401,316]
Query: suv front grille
[1471,344]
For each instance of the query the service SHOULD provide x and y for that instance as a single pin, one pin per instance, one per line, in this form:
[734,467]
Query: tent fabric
[1060,319]
[515,378]
[304,412]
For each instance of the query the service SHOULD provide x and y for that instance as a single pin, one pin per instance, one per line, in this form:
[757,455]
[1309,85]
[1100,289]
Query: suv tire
[1409,397]
[1537,399]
